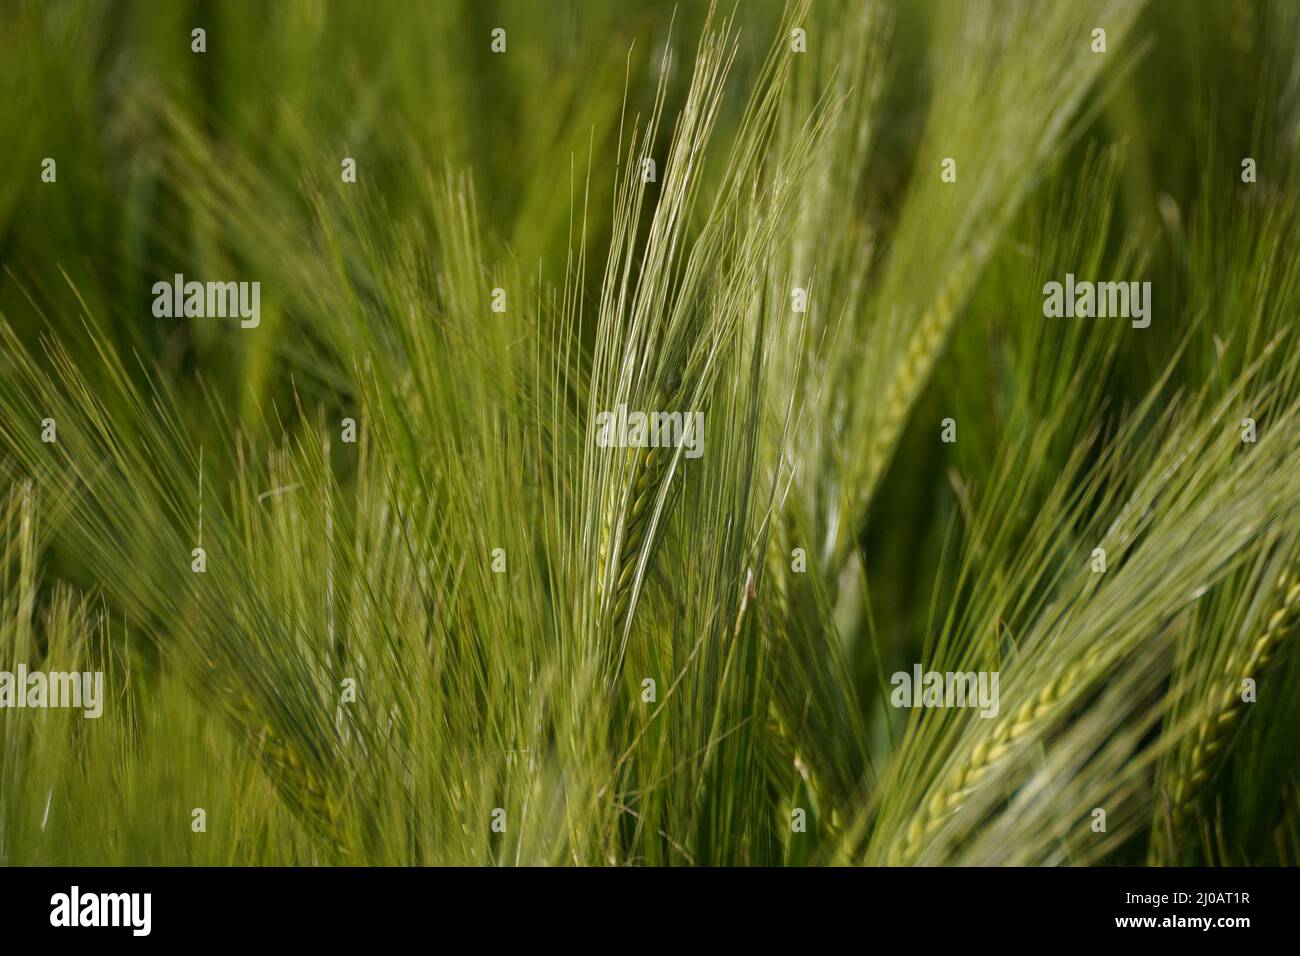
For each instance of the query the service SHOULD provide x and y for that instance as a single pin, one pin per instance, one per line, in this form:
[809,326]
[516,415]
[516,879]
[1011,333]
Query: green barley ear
[1029,721]
[627,517]
[1202,755]
[948,231]
[1079,626]
[308,789]
[674,302]
[916,361]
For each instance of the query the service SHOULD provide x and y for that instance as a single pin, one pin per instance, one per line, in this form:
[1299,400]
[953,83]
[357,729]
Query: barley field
[834,432]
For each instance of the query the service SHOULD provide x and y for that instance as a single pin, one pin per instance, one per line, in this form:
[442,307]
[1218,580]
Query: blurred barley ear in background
[457,249]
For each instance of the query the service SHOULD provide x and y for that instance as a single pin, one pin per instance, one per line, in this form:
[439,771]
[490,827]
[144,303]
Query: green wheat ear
[1210,736]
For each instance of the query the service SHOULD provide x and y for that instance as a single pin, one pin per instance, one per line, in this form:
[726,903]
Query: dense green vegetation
[431,645]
